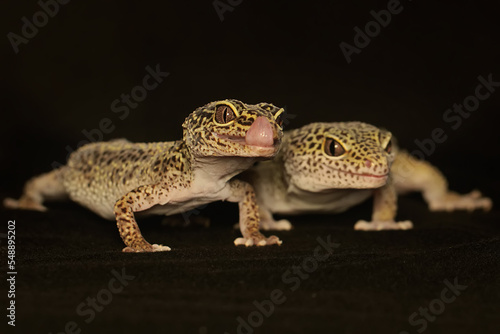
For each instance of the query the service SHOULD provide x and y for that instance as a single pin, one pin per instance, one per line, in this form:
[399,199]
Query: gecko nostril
[368,163]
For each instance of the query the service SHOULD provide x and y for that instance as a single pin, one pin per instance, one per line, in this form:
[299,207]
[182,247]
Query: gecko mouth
[242,140]
[371,176]
[258,150]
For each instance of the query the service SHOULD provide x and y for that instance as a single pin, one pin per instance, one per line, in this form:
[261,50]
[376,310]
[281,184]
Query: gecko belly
[332,202]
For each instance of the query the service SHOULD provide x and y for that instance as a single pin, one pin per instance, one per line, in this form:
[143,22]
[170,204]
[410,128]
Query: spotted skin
[118,179]
[309,167]
[307,177]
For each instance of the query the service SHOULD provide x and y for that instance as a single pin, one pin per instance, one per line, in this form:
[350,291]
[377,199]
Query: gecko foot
[280,225]
[152,248]
[258,240]
[23,203]
[363,225]
[453,201]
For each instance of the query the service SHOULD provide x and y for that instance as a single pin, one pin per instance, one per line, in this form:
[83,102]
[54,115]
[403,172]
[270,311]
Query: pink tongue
[260,133]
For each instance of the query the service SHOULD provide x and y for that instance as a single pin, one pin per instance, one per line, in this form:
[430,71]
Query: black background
[287,53]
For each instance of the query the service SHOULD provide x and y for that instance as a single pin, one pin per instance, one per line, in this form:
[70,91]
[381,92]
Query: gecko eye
[333,148]
[224,114]
[279,117]
[388,148]
[279,121]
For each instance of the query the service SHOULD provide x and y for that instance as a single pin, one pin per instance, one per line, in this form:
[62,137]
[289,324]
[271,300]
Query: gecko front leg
[384,211]
[139,199]
[244,194]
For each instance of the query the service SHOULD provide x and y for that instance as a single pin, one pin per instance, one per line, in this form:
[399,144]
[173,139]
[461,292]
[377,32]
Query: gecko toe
[405,225]
[239,241]
[468,202]
[258,241]
[161,248]
[363,225]
[146,248]
[280,225]
[273,240]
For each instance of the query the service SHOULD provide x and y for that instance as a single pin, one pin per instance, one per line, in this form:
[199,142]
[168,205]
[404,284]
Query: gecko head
[236,129]
[325,156]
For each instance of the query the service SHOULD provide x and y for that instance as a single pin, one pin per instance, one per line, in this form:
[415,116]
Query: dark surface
[371,283]
[285,52]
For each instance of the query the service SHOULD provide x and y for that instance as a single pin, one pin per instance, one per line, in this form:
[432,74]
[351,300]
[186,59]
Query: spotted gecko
[331,167]
[117,179]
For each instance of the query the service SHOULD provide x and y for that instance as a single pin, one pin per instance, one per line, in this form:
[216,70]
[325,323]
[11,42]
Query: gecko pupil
[333,148]
[224,114]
